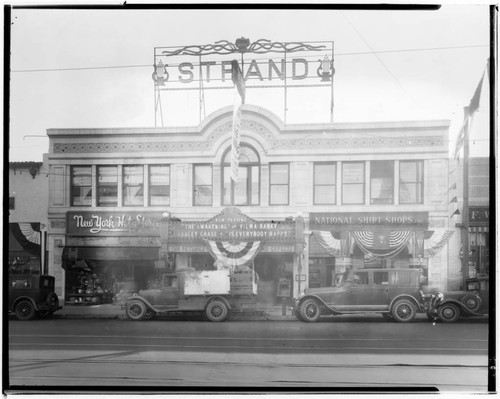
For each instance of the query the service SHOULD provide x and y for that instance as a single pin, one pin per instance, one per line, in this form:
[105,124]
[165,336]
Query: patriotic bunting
[238,254]
[381,244]
[438,240]
[331,245]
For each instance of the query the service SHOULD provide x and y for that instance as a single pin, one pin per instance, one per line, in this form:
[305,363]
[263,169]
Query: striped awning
[479,229]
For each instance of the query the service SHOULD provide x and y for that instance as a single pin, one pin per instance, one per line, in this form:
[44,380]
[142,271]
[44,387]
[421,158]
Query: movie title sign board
[352,221]
[231,225]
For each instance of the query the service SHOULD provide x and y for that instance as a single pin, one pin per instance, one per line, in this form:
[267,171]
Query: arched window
[247,189]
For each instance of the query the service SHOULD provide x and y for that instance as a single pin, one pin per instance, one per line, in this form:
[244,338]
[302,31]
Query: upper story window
[133,185]
[203,187]
[107,186]
[381,182]
[325,178]
[247,189]
[411,182]
[81,186]
[353,183]
[279,183]
[159,185]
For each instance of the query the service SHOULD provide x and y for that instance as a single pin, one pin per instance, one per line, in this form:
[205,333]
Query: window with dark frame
[133,185]
[353,183]
[381,182]
[159,185]
[247,189]
[81,186]
[325,178]
[107,186]
[411,182]
[279,183]
[12,203]
[202,185]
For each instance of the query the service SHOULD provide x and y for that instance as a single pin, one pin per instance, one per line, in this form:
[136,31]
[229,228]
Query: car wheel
[471,302]
[136,310]
[448,313]
[404,311]
[25,310]
[216,311]
[297,315]
[388,316]
[310,311]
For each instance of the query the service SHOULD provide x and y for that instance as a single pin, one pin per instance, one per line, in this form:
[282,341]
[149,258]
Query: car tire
[216,311]
[430,316]
[25,310]
[404,311]
[471,302]
[297,315]
[310,311]
[136,310]
[448,313]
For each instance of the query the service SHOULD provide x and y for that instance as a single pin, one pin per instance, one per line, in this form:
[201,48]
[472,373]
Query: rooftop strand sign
[264,64]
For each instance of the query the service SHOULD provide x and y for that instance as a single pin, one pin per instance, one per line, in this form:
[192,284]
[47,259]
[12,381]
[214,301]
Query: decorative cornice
[255,127]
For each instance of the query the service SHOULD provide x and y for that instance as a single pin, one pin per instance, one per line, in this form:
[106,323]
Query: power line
[336,55]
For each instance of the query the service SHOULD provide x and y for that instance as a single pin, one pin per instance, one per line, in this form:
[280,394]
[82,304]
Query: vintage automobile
[31,295]
[480,285]
[214,292]
[394,293]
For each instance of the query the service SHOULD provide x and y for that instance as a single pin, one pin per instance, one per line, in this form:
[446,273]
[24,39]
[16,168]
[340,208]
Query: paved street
[339,352]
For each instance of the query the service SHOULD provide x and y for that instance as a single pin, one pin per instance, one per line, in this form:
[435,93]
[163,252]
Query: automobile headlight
[440,296]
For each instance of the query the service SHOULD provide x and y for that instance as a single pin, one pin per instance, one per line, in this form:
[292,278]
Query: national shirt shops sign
[352,221]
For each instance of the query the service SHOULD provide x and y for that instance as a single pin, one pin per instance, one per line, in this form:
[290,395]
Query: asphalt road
[337,353]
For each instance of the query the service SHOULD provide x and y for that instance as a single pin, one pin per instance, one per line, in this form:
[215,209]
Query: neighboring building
[479,226]
[28,204]
[311,200]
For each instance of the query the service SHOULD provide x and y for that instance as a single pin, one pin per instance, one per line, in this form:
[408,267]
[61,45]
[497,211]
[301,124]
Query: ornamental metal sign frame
[265,64]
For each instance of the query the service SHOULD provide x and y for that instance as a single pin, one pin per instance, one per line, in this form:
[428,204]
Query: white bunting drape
[331,245]
[436,243]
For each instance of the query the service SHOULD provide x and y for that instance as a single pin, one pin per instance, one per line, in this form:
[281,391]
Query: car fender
[317,298]
[219,298]
[463,309]
[405,296]
[22,298]
[142,299]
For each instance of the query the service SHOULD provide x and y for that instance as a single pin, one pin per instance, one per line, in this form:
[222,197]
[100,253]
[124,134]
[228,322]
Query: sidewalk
[115,311]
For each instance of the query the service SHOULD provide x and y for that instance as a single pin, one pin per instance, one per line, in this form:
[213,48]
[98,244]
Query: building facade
[27,227]
[479,220]
[311,200]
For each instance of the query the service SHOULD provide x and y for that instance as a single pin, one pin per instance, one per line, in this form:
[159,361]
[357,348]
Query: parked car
[31,295]
[480,285]
[394,293]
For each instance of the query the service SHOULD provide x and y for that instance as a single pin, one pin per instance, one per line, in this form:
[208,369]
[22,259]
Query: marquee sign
[232,225]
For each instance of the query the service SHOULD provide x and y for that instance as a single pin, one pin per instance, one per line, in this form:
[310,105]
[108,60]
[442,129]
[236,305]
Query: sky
[81,68]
